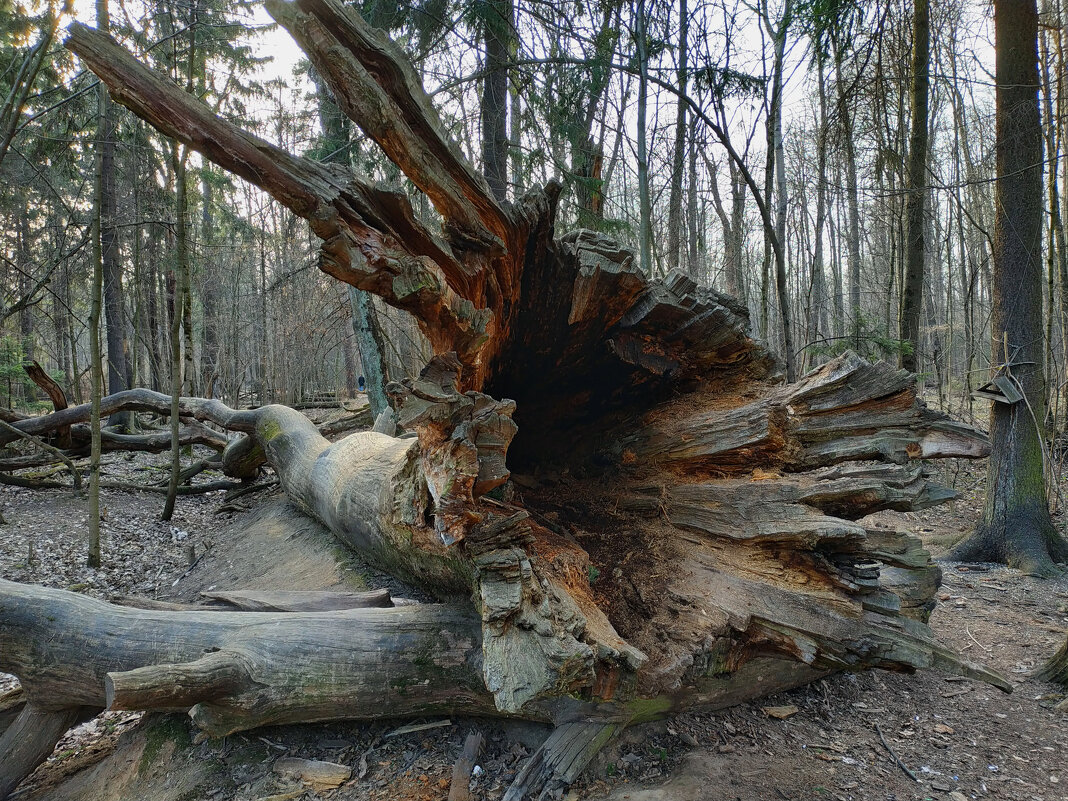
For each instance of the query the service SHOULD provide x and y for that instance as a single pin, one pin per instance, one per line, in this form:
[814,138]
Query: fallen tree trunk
[674,589]
[685,534]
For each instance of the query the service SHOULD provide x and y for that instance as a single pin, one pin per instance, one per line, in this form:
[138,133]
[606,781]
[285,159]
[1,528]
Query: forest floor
[846,737]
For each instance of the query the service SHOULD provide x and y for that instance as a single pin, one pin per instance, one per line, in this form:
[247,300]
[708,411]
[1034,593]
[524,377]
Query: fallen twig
[30,483]
[897,759]
[969,633]
[248,489]
[414,727]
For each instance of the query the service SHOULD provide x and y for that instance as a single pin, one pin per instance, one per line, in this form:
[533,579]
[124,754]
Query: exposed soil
[960,739]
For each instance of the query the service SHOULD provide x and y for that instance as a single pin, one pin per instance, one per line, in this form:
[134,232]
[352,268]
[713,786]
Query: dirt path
[960,739]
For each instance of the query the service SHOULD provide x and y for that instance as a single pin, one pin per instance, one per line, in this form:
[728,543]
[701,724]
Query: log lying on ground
[242,458]
[693,541]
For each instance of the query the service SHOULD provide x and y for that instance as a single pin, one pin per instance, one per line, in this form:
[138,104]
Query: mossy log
[685,529]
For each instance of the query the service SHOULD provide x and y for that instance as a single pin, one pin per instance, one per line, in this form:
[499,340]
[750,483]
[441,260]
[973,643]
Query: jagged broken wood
[687,532]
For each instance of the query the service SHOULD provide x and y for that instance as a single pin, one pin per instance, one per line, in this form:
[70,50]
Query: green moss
[715,661]
[165,728]
[268,430]
[645,709]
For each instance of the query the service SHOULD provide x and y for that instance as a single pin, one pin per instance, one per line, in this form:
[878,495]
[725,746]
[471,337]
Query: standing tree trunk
[498,33]
[818,317]
[912,289]
[181,269]
[1016,528]
[645,206]
[96,290]
[209,291]
[675,224]
[845,119]
[27,339]
[114,313]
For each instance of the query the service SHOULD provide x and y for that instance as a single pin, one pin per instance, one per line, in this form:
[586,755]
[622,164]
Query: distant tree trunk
[912,289]
[587,153]
[817,318]
[26,314]
[180,276]
[151,292]
[732,228]
[262,387]
[114,312]
[95,302]
[209,290]
[1016,528]
[779,33]
[369,342]
[61,316]
[499,31]
[645,209]
[678,161]
[1057,258]
[693,267]
[185,288]
[852,194]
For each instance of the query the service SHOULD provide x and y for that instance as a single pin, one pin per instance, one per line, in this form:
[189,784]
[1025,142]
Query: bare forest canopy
[569,109]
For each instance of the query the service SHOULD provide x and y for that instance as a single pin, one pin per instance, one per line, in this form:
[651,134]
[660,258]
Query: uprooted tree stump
[683,533]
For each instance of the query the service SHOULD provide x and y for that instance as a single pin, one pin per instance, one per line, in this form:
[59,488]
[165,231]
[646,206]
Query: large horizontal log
[264,668]
[238,670]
